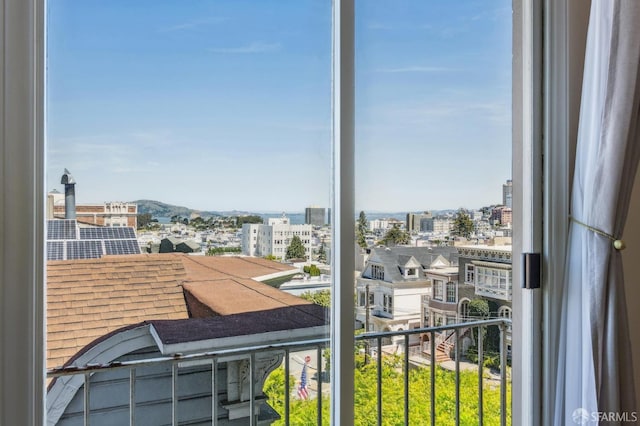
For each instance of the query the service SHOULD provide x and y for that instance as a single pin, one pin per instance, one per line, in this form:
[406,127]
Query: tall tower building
[507,194]
[415,221]
[314,216]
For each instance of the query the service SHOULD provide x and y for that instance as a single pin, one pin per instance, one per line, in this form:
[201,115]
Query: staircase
[443,349]
[444,346]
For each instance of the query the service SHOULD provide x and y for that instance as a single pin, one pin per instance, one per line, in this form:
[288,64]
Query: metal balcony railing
[212,359]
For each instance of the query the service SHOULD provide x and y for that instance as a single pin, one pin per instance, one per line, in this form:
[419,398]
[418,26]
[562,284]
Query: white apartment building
[273,238]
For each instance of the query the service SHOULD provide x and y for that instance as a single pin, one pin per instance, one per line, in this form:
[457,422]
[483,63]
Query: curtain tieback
[617,243]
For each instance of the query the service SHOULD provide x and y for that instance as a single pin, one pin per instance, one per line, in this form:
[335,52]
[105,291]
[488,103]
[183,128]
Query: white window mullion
[343,211]
[22,385]
[527,206]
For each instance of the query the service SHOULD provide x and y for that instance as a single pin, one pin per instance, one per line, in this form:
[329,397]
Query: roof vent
[69,195]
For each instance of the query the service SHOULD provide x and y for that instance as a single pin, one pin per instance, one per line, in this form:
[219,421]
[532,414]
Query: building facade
[507,194]
[488,270]
[415,221]
[502,215]
[393,284]
[106,214]
[315,216]
[272,239]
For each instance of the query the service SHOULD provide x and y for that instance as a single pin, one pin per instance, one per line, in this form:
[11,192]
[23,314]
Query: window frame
[22,210]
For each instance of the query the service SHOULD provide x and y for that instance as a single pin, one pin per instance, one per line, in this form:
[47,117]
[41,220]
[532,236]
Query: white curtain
[594,366]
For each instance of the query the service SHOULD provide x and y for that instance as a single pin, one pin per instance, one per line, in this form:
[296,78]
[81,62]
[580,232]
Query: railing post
[406,379]
[132,397]
[480,375]
[457,352]
[174,393]
[287,390]
[432,343]
[252,390]
[379,374]
[87,399]
[503,374]
[214,391]
[319,392]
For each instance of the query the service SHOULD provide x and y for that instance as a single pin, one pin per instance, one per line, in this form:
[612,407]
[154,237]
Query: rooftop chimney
[69,195]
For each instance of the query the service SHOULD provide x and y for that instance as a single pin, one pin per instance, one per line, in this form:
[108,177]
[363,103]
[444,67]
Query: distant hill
[160,209]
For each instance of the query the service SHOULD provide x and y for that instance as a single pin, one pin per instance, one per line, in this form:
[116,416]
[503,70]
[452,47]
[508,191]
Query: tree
[239,220]
[296,249]
[361,230]
[144,220]
[462,225]
[479,309]
[395,236]
[303,412]
[216,251]
[322,254]
[322,297]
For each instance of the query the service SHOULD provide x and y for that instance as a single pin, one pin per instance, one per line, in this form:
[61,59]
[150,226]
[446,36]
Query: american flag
[303,393]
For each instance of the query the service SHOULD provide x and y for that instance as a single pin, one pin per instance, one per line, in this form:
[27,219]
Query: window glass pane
[433,177]
[201,132]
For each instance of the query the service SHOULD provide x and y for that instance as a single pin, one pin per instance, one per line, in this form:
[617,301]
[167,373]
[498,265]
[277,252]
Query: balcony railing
[494,291]
[375,343]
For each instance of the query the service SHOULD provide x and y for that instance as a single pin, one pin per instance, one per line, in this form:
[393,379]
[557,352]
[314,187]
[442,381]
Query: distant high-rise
[507,194]
[315,216]
[415,221]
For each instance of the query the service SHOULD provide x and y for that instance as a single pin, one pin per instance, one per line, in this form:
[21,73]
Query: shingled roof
[394,257]
[88,299]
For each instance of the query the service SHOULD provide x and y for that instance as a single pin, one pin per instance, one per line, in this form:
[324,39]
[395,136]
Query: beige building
[107,214]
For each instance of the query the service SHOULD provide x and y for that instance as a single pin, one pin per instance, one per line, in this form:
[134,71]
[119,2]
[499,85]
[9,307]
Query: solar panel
[109,233]
[55,250]
[65,229]
[65,240]
[122,247]
[81,249]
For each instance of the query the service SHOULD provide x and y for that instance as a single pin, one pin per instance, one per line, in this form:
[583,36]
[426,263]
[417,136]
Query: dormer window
[377,272]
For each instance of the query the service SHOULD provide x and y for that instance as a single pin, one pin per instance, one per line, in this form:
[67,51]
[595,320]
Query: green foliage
[314,271]
[462,225]
[322,254]
[304,412]
[296,249]
[479,309]
[247,219]
[216,251]
[395,236]
[270,257]
[362,226]
[144,220]
[322,297]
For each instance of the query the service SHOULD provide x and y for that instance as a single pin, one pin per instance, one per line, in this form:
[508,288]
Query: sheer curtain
[594,365]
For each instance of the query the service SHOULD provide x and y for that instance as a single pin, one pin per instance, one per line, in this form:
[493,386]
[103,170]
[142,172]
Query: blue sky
[221,105]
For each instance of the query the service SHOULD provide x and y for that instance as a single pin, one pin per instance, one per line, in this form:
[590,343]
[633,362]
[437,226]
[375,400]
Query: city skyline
[226,105]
